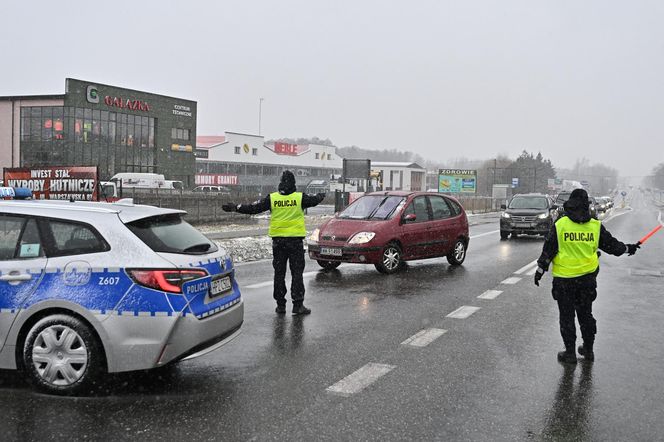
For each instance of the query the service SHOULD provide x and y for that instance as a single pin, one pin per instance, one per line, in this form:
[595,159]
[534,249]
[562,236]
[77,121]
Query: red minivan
[387,228]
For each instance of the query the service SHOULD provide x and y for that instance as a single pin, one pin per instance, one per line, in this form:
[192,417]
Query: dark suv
[530,214]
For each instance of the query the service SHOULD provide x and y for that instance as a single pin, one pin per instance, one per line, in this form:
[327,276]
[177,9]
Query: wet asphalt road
[491,376]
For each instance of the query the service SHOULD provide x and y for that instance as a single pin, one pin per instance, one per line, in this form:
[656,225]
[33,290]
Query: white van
[139,180]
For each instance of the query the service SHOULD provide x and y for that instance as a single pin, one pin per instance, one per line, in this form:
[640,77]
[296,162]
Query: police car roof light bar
[17,193]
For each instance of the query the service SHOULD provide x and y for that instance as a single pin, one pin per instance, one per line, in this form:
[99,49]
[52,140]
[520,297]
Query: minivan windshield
[372,207]
[171,234]
[562,197]
[529,202]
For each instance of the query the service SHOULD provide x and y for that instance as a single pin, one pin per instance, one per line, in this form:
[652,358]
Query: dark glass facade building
[116,129]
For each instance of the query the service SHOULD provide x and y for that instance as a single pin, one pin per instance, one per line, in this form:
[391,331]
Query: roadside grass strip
[490,294]
[360,379]
[511,280]
[525,268]
[463,312]
[424,337]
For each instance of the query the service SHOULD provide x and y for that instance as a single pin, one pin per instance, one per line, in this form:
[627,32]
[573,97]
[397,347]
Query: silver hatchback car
[89,288]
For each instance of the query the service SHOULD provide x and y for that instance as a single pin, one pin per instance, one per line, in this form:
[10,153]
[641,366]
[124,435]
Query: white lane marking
[532,271]
[484,234]
[616,216]
[269,283]
[659,218]
[463,312]
[526,267]
[490,294]
[424,337]
[511,280]
[360,379]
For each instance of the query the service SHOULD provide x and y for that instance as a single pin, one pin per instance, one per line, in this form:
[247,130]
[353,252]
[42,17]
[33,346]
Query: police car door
[22,264]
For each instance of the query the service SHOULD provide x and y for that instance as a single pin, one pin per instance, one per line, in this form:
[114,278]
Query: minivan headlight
[362,238]
[314,237]
[506,215]
[544,215]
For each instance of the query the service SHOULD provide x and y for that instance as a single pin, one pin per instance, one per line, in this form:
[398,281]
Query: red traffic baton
[651,233]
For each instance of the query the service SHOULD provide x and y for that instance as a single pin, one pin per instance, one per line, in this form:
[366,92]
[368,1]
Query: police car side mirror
[503,206]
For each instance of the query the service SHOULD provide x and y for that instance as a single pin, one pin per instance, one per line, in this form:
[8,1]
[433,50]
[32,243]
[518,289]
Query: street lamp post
[260,112]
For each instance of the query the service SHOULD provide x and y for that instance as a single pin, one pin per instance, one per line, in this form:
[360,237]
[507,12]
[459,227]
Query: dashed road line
[424,337]
[511,280]
[360,379]
[490,294]
[532,271]
[463,312]
[269,283]
[526,267]
[484,234]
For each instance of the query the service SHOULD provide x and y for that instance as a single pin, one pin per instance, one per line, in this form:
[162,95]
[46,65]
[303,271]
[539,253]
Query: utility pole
[260,111]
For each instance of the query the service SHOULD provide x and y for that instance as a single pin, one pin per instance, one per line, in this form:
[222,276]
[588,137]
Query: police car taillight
[165,280]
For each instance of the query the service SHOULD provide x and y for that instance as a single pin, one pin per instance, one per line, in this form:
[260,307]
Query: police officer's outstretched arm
[612,246]
[309,200]
[258,206]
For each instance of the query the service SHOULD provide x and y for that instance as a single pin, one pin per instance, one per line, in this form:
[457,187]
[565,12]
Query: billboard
[222,179]
[55,183]
[355,168]
[457,181]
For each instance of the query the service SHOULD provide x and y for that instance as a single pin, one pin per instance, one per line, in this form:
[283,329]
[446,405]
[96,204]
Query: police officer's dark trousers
[576,295]
[291,251]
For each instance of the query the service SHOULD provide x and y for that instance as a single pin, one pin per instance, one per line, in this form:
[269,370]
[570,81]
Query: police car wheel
[328,265]
[62,355]
[458,254]
[390,260]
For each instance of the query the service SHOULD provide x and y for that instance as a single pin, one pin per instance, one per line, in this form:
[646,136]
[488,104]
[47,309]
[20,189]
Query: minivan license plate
[220,285]
[333,251]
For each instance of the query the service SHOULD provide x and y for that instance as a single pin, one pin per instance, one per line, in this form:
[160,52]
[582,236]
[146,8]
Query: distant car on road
[212,190]
[89,288]
[564,196]
[530,214]
[388,228]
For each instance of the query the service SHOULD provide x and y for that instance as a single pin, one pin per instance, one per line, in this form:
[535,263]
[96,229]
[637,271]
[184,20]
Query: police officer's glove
[321,195]
[538,275]
[229,207]
[631,248]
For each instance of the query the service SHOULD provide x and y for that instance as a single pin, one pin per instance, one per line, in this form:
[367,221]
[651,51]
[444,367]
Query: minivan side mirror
[554,207]
[503,206]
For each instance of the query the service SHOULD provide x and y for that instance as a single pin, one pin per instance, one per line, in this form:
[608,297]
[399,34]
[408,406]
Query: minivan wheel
[328,265]
[458,253]
[61,355]
[390,260]
[504,234]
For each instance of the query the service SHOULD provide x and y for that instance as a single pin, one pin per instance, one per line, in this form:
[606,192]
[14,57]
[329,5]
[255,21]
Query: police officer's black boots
[281,309]
[586,350]
[568,356]
[300,309]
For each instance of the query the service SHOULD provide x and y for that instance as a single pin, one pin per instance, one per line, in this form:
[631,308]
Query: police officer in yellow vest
[287,232]
[572,246]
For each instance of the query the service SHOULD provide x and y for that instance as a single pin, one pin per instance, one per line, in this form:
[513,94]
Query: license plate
[220,285]
[522,225]
[333,251]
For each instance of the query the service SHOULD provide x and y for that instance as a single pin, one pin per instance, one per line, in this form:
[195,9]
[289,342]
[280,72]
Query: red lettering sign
[285,148]
[62,183]
[127,104]
[223,179]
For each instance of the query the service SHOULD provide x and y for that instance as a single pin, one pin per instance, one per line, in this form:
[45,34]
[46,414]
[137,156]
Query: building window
[317,156]
[329,157]
[237,150]
[180,134]
[254,151]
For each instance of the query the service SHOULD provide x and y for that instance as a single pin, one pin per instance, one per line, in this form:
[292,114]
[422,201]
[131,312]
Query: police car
[88,288]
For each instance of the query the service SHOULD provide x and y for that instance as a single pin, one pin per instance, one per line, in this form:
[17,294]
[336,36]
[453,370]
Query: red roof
[208,141]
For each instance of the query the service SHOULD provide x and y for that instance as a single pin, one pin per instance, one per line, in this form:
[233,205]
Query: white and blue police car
[88,288]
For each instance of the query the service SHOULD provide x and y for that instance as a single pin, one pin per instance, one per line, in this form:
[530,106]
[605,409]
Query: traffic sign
[515,183]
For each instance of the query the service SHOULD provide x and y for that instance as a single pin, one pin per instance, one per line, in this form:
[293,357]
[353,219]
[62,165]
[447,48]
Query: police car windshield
[536,202]
[372,207]
[171,234]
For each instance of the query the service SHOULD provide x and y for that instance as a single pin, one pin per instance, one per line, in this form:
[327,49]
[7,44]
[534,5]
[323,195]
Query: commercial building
[400,175]
[247,163]
[93,124]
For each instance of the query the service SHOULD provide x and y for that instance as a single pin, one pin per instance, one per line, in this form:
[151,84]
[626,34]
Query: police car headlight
[543,216]
[506,215]
[362,238]
[314,237]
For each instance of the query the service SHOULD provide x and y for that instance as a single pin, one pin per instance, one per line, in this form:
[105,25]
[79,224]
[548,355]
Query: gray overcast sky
[444,79]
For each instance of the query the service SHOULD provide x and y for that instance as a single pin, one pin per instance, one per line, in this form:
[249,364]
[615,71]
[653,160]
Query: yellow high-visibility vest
[287,215]
[577,248]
